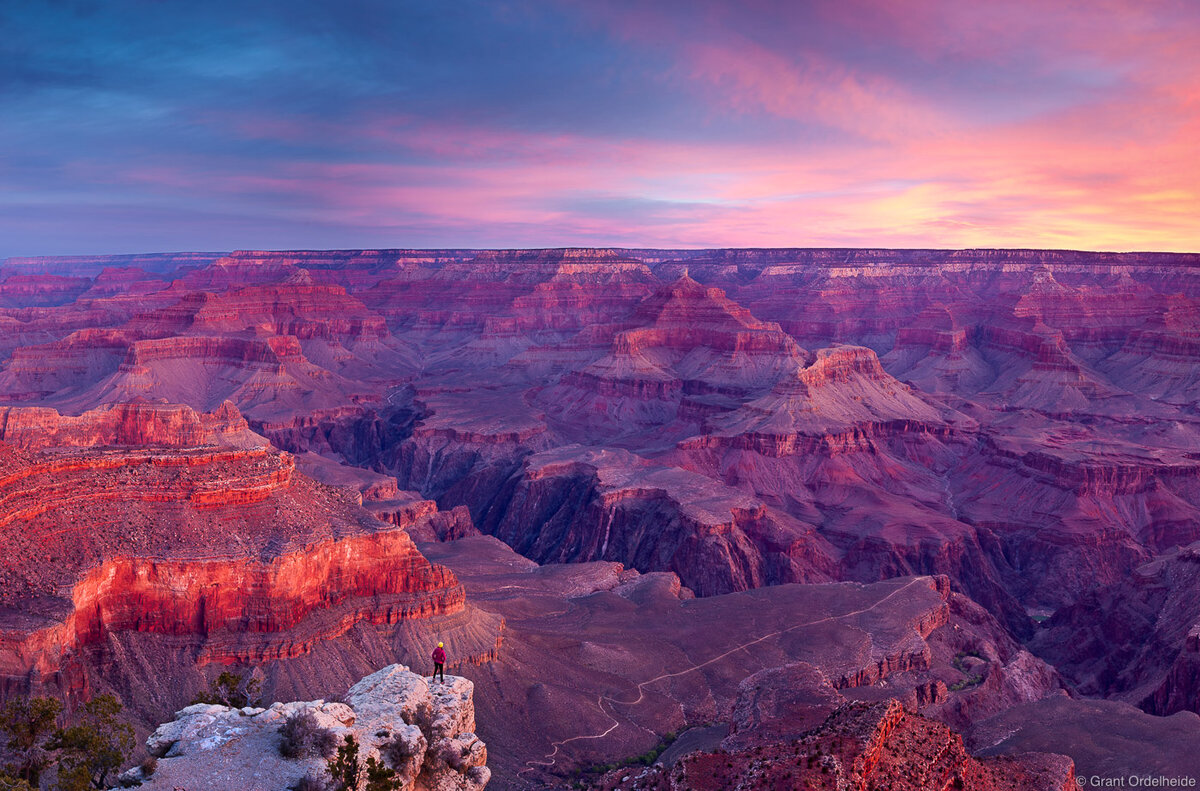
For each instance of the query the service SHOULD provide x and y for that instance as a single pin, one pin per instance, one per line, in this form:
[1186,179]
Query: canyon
[976,471]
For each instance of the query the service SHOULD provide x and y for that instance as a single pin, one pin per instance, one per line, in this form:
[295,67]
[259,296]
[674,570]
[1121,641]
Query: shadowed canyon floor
[867,474]
[600,663]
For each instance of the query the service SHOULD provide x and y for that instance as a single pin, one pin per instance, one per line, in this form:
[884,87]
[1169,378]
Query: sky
[268,124]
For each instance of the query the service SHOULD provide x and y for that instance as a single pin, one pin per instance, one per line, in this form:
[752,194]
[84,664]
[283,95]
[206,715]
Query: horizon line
[4,260]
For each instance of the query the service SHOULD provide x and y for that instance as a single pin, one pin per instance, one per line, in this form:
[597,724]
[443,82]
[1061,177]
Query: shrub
[233,690]
[396,751]
[309,782]
[302,737]
[149,766]
[380,777]
[345,771]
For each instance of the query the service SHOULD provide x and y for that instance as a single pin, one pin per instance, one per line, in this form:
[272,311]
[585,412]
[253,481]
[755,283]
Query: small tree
[346,772]
[233,690]
[27,724]
[91,750]
[344,769]
[381,777]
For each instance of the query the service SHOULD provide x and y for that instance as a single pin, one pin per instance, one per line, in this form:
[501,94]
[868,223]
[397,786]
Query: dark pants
[438,670]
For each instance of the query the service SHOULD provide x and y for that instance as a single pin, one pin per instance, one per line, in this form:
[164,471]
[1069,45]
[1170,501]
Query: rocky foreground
[216,748]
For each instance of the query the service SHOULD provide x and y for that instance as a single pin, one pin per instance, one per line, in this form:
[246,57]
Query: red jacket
[439,655]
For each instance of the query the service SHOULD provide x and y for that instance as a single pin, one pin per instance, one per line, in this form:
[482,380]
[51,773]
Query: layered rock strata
[1021,422]
[1137,640]
[222,551]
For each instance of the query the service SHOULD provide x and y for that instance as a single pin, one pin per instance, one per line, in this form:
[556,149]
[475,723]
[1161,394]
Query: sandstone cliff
[185,529]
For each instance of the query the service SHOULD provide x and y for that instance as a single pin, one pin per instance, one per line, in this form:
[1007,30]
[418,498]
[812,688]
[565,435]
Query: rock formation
[184,528]
[1137,640]
[859,746]
[135,424]
[216,748]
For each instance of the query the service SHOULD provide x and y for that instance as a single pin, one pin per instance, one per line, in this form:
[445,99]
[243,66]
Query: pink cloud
[1031,184]
[813,89]
[1115,166]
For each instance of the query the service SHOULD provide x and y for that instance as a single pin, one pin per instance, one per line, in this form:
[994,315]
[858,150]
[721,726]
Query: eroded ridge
[225,549]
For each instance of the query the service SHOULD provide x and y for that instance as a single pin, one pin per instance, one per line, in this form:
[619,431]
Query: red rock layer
[132,424]
[861,747]
[241,611]
[272,348]
[295,307]
[226,551]
[24,290]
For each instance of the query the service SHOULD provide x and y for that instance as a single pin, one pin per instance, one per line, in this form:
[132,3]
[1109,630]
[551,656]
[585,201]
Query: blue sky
[139,126]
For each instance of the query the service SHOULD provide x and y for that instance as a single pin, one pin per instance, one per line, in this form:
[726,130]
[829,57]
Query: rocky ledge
[217,748]
[861,746]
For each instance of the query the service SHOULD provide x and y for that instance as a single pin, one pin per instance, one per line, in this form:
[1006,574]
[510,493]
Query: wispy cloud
[858,122]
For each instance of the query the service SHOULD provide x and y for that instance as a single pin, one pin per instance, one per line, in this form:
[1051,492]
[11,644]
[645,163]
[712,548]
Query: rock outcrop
[136,424]
[185,528]
[858,747]
[684,340]
[216,748]
[1137,640]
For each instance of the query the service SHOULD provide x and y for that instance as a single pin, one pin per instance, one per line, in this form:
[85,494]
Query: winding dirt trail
[549,759]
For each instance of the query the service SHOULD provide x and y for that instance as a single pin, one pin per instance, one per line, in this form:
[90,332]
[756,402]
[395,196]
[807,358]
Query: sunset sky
[151,126]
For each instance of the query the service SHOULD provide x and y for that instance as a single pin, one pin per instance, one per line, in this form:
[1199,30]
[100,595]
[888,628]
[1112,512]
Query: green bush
[91,750]
[346,771]
[27,725]
[381,777]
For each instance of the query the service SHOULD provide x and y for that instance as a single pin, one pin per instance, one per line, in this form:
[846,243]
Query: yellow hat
[439,645]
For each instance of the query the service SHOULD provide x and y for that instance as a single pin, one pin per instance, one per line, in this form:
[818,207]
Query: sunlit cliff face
[928,123]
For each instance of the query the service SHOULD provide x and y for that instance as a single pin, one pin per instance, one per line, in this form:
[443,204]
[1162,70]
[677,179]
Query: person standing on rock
[439,663]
